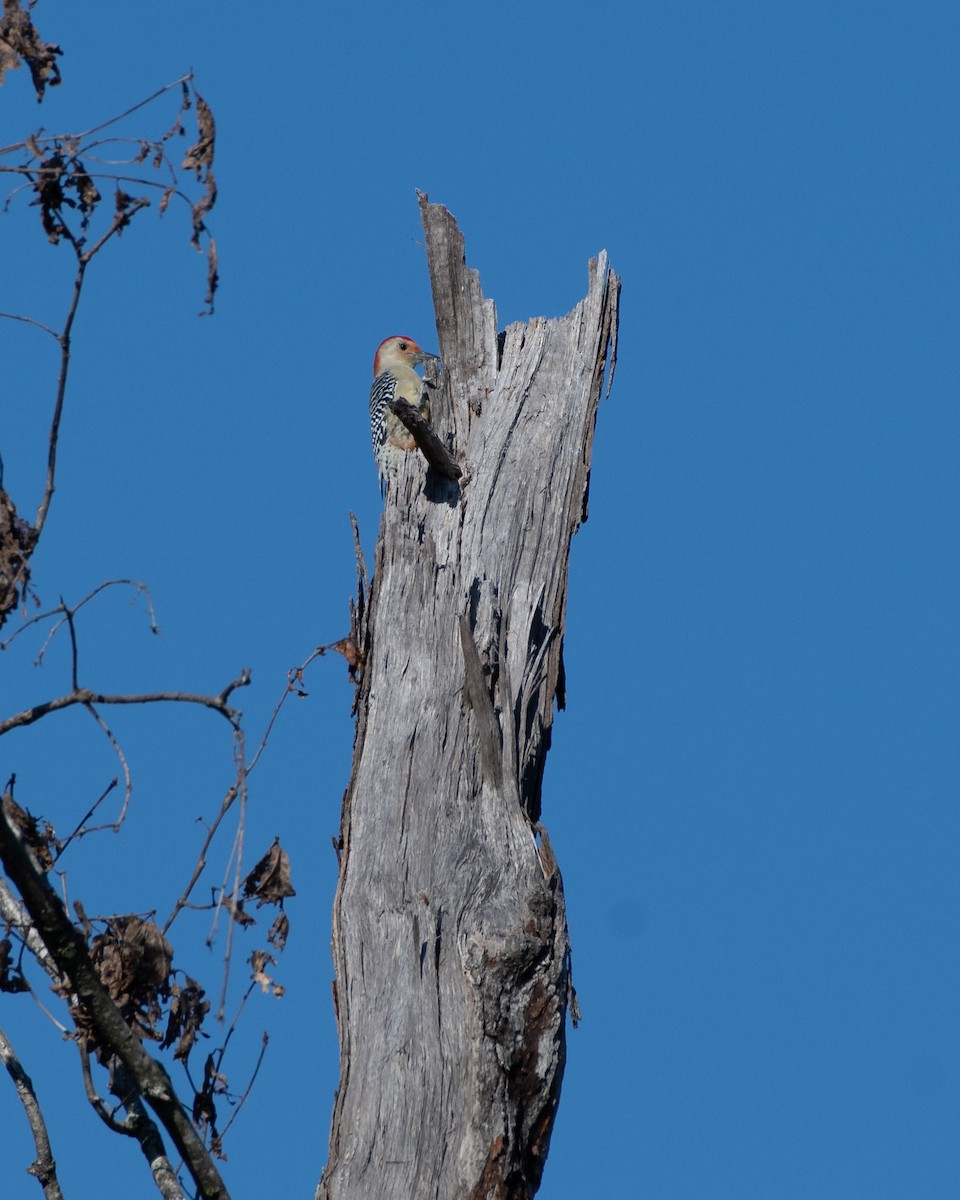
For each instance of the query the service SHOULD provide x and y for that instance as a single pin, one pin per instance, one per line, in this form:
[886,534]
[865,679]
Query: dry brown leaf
[236,910]
[11,976]
[188,1007]
[258,961]
[19,40]
[38,836]
[17,541]
[134,961]
[279,931]
[269,881]
[200,154]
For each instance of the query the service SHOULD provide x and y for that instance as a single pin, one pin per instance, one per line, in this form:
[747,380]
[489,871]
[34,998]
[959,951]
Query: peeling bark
[450,938]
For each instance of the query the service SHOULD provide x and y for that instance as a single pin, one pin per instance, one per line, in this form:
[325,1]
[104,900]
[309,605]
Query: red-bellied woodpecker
[395,379]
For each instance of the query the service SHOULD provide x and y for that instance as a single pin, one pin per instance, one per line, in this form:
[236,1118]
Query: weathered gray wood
[450,938]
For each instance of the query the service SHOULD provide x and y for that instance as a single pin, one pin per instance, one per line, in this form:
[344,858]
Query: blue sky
[753,790]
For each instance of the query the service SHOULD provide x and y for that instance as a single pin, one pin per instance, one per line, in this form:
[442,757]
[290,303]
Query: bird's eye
[403,345]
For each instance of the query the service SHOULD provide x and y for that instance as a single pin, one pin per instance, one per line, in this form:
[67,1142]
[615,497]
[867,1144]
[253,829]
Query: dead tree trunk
[449,937]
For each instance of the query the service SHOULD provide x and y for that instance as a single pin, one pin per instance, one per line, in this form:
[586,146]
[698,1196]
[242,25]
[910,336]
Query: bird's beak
[424,357]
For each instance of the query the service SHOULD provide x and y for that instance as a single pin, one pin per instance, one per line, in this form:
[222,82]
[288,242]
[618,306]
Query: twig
[120,221]
[186,78]
[62,1029]
[29,184]
[249,1088]
[43,1167]
[79,831]
[74,664]
[65,137]
[294,676]
[94,1098]
[110,176]
[160,156]
[30,321]
[64,340]
[124,766]
[61,610]
[235,1023]
[53,157]
[235,790]
[220,1054]
[78,137]
[239,758]
[225,805]
[236,857]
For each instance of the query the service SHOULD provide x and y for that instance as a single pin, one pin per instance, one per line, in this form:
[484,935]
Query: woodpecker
[395,378]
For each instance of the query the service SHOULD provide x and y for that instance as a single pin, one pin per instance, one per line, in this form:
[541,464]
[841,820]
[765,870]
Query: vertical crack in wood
[476,695]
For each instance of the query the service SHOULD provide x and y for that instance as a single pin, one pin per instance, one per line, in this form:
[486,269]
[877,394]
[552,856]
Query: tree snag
[449,936]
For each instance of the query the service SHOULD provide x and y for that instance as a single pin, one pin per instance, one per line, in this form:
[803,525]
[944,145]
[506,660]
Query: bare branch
[87,697]
[137,1123]
[113,1034]
[61,170]
[15,917]
[96,1101]
[43,1167]
[64,340]
[241,681]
